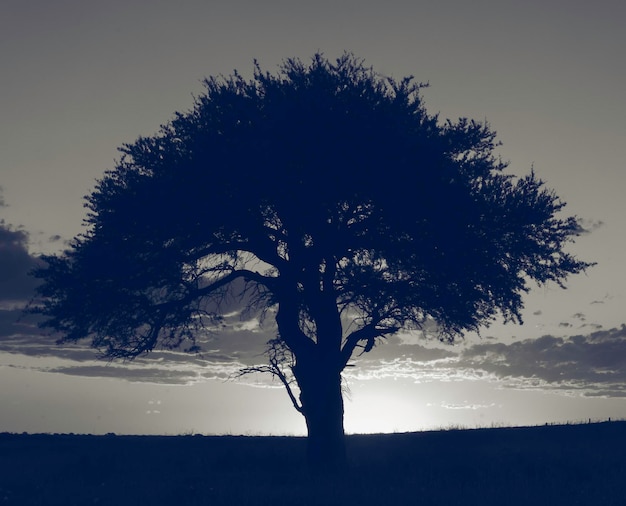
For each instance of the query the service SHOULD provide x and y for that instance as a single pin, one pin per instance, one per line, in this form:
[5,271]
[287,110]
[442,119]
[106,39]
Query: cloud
[586,226]
[129,373]
[171,368]
[240,341]
[18,332]
[244,340]
[602,301]
[467,405]
[420,367]
[9,322]
[15,264]
[594,364]
[238,344]
[55,238]
[591,364]
[594,326]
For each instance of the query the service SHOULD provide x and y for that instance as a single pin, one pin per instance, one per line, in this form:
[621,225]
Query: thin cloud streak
[466,406]
[440,370]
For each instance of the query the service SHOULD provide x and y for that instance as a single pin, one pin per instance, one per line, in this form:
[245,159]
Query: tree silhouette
[334,201]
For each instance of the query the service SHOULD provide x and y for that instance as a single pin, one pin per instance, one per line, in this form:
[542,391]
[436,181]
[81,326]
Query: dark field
[552,465]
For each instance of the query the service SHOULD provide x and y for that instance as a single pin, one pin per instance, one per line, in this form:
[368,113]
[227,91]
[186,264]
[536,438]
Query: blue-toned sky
[80,78]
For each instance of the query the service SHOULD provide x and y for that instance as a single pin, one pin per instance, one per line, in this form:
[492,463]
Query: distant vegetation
[551,465]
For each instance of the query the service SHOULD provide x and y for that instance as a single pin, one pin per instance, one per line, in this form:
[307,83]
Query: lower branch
[277,356]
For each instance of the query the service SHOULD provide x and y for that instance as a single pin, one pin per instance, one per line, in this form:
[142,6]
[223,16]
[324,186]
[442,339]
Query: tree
[335,203]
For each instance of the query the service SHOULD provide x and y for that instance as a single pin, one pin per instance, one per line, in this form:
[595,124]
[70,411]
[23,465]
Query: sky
[81,78]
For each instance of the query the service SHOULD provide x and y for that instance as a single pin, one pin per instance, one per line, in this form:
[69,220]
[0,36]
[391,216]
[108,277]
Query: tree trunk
[322,407]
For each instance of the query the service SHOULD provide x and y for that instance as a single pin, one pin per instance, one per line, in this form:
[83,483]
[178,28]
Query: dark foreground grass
[552,465]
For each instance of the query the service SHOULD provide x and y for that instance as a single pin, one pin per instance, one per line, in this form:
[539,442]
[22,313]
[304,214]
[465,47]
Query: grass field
[549,465]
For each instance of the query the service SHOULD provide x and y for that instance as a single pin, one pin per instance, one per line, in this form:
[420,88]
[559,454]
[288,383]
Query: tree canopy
[328,194]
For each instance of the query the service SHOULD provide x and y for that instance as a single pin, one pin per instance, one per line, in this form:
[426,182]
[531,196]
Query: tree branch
[368,333]
[268,281]
[263,248]
[196,293]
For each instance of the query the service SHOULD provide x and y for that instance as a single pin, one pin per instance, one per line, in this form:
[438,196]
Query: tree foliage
[338,203]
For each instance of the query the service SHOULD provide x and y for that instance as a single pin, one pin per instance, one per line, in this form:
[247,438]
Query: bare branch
[278,355]
[267,281]
[261,247]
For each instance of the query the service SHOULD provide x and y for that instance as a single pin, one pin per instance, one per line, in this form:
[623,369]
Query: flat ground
[551,465]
